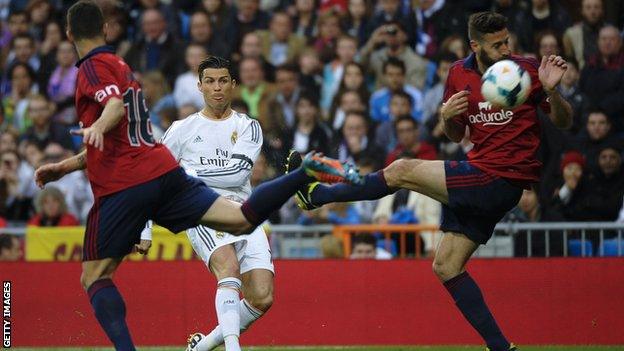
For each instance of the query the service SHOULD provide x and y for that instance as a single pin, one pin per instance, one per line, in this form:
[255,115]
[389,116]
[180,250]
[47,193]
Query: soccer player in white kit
[220,146]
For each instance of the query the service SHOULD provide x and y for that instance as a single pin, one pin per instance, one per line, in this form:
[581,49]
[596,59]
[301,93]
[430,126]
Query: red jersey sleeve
[100,83]
[451,88]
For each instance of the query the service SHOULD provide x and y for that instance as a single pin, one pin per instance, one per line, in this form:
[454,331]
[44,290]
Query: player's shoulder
[244,119]
[527,63]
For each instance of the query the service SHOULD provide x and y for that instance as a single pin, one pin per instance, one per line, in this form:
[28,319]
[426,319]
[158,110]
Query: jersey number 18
[139,127]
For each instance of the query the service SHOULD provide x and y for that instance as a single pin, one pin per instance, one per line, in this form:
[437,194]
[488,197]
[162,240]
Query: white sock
[226,304]
[248,314]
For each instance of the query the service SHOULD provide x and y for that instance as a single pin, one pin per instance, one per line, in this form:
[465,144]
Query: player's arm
[238,169]
[55,171]
[550,72]
[450,113]
[111,115]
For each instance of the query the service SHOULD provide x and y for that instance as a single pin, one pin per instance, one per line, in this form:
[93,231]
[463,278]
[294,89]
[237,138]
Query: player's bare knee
[444,270]
[261,298]
[397,173]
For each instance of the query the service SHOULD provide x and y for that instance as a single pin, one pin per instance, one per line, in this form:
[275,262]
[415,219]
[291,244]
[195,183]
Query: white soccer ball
[505,84]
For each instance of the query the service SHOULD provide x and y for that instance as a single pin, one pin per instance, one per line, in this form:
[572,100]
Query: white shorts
[252,250]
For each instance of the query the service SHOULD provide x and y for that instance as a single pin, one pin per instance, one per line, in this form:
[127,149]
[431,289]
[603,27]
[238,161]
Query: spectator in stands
[437,20]
[52,210]
[62,84]
[53,37]
[572,192]
[356,21]
[158,50]
[282,103]
[355,142]
[17,187]
[346,50]
[74,186]
[185,90]
[602,78]
[598,134]
[541,15]
[432,99]
[279,43]
[23,50]
[385,134]
[394,79]
[455,46]
[18,23]
[15,102]
[201,32]
[353,79]
[10,248]
[347,101]
[32,154]
[253,88]
[304,20]
[364,246]
[117,33]
[221,16]
[309,133]
[570,90]
[158,98]
[394,38]
[310,67]
[248,18]
[8,140]
[408,140]
[331,247]
[40,13]
[43,130]
[137,12]
[579,41]
[328,33]
[547,44]
[393,11]
[366,208]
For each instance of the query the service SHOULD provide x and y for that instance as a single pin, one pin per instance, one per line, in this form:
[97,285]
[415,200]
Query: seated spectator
[356,23]
[408,141]
[394,36]
[331,247]
[8,140]
[309,133]
[52,210]
[17,187]
[221,16]
[579,41]
[348,100]
[48,51]
[353,79]
[364,246]
[279,43]
[574,185]
[62,84]
[248,17]
[43,130]
[23,50]
[15,102]
[394,77]
[355,142]
[304,20]
[32,154]
[547,44]
[346,49]
[10,248]
[117,34]
[396,12]
[602,78]
[598,133]
[540,16]
[282,103]
[158,99]
[202,34]
[385,133]
[432,99]
[437,20]
[185,90]
[251,47]
[328,33]
[254,89]
[310,71]
[158,49]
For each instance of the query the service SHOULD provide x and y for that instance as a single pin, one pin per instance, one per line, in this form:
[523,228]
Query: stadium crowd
[359,80]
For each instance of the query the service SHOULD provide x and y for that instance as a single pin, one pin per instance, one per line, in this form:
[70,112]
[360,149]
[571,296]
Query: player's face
[492,48]
[216,85]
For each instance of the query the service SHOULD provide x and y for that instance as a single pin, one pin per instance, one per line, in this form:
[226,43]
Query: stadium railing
[575,239]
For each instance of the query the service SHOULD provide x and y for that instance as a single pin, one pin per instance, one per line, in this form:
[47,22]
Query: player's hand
[91,136]
[143,246]
[551,71]
[48,173]
[455,105]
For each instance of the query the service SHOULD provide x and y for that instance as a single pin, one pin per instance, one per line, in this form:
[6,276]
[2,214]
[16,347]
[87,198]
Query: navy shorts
[477,201]
[174,200]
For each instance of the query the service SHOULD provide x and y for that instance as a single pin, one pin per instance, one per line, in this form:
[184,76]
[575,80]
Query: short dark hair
[486,22]
[405,118]
[85,20]
[213,62]
[394,62]
[26,66]
[23,36]
[363,239]
[310,97]
[402,94]
[288,67]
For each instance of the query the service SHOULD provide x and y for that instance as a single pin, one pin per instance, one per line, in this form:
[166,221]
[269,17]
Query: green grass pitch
[357,348]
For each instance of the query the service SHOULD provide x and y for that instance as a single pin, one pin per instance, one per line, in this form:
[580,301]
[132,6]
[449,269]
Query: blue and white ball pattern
[505,84]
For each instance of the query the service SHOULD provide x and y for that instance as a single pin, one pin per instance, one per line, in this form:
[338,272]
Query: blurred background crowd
[359,80]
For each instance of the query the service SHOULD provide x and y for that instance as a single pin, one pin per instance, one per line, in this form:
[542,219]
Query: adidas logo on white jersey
[198,139]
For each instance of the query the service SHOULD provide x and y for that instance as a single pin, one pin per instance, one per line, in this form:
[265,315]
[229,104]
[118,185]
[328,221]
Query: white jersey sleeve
[236,172]
[172,140]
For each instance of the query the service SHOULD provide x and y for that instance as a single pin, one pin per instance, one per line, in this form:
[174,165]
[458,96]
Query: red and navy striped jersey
[505,140]
[130,155]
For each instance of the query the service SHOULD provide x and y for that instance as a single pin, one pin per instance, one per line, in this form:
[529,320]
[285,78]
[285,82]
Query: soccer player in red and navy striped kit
[135,179]
[475,194]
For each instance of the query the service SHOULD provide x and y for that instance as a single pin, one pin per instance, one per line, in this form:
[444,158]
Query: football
[505,84]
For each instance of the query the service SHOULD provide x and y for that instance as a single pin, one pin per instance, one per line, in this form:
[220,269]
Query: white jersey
[219,152]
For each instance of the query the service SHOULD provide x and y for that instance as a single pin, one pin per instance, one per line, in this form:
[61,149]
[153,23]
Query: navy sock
[271,195]
[110,311]
[374,188]
[470,302]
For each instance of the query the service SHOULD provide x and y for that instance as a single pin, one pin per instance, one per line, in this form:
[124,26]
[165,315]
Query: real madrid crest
[221,234]
[234,137]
